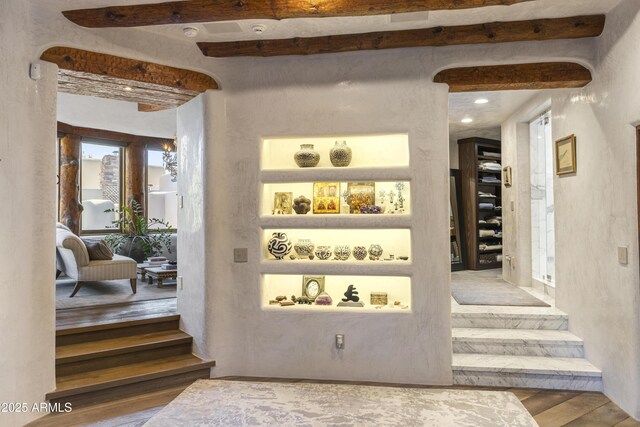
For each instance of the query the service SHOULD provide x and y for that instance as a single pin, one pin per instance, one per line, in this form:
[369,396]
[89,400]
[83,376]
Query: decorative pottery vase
[342,252]
[340,154]
[301,205]
[307,157]
[279,245]
[304,248]
[324,252]
[375,252]
[360,252]
[324,299]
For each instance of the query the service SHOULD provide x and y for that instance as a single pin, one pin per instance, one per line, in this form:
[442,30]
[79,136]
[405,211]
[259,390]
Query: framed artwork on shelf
[360,194]
[283,204]
[566,155]
[312,286]
[326,197]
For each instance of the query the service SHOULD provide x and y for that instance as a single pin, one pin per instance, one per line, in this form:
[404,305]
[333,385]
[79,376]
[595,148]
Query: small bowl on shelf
[324,252]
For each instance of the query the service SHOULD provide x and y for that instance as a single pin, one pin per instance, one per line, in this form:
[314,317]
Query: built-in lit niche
[368,151]
[320,246]
[337,198]
[375,294]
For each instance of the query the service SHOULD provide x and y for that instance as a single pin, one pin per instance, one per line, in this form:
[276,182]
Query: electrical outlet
[623,255]
[240,255]
[339,341]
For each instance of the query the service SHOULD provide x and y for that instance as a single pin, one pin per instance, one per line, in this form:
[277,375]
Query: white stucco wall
[27,237]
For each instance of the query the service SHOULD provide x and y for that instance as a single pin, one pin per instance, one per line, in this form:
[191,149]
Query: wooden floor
[89,316]
[550,408]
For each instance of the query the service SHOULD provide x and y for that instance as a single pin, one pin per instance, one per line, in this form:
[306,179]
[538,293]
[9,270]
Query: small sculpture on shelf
[351,298]
[324,299]
[301,205]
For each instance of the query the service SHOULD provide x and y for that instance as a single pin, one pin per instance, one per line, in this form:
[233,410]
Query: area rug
[108,292]
[239,403]
[493,293]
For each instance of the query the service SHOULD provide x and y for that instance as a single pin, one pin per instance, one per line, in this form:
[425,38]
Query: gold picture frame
[326,197]
[282,203]
[566,162]
[360,194]
[312,286]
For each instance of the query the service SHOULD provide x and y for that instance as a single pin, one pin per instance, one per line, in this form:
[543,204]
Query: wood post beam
[495,32]
[70,208]
[134,175]
[148,141]
[546,75]
[182,12]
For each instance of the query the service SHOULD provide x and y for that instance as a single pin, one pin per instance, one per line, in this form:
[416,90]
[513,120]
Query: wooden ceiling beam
[148,108]
[189,11]
[547,75]
[126,138]
[495,32]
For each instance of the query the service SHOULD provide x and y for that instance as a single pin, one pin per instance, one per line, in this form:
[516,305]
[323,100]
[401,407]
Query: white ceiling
[487,118]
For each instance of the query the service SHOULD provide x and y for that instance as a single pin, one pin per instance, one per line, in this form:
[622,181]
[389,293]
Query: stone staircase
[519,347]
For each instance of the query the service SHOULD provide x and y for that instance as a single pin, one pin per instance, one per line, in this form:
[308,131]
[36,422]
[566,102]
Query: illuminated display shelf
[383,159]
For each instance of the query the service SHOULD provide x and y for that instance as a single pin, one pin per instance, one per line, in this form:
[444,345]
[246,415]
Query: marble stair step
[526,371]
[517,342]
[510,318]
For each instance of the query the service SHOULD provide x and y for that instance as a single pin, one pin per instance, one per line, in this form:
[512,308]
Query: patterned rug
[239,403]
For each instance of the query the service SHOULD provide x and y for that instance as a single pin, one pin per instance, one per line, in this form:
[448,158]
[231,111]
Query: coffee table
[160,274]
[141,269]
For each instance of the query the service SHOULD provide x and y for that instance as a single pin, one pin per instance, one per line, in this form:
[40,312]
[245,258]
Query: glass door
[542,207]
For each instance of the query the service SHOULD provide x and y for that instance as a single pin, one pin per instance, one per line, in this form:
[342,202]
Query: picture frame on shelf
[566,161]
[326,197]
[312,286]
[360,194]
[282,203]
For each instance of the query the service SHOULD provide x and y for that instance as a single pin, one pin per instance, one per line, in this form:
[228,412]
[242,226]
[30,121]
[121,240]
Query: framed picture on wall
[283,204]
[566,155]
[326,197]
[360,194]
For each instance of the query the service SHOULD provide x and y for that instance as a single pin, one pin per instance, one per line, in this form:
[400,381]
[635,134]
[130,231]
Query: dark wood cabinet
[481,201]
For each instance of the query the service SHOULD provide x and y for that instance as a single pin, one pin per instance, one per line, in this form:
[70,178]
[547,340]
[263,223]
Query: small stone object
[342,252]
[306,157]
[301,205]
[324,299]
[293,298]
[403,258]
[375,252]
[397,303]
[286,303]
[303,300]
[281,298]
[359,252]
[273,302]
[324,252]
[293,257]
[340,154]
[311,256]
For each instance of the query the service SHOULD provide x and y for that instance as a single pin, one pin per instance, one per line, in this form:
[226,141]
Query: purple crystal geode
[324,299]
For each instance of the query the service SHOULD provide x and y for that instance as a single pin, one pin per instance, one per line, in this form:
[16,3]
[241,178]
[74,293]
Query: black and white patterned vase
[306,157]
[342,252]
[375,252]
[340,154]
[279,245]
[360,252]
[304,248]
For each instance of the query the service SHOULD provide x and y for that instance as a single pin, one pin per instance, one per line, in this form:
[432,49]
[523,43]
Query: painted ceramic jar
[360,252]
[279,245]
[375,252]
[324,252]
[306,157]
[342,252]
[340,154]
[304,248]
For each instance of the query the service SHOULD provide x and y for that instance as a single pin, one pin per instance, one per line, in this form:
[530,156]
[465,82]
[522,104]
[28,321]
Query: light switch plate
[623,255]
[240,255]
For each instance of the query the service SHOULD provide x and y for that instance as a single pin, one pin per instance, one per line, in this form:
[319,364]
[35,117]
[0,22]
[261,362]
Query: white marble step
[509,318]
[517,342]
[526,371]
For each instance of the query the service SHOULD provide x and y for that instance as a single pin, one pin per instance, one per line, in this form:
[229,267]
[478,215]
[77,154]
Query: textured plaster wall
[27,237]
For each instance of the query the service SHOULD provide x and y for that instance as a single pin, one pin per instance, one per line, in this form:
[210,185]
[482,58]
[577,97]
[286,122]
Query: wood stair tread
[117,323]
[102,379]
[109,347]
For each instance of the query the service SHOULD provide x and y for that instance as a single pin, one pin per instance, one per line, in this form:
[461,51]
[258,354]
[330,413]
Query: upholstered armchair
[72,259]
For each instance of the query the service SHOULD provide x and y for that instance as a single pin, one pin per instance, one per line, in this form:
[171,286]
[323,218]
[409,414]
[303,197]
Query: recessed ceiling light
[190,32]
[467,120]
[482,101]
[128,88]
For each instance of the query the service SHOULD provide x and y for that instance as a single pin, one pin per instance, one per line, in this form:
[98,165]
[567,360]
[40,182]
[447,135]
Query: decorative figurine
[351,298]
[301,205]
[324,299]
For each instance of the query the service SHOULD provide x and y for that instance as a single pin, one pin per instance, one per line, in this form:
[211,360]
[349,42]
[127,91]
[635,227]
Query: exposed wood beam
[547,75]
[182,12]
[495,32]
[134,175]
[88,73]
[148,141]
[148,108]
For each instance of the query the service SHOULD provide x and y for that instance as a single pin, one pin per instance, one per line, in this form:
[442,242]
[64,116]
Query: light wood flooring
[550,408]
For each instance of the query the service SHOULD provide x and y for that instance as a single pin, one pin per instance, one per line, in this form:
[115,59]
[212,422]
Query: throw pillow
[98,250]
[63,227]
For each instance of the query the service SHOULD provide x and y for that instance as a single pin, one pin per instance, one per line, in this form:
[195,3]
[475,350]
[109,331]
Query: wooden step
[110,329]
[104,379]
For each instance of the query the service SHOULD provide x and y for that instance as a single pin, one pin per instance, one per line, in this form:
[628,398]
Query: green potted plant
[140,237]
